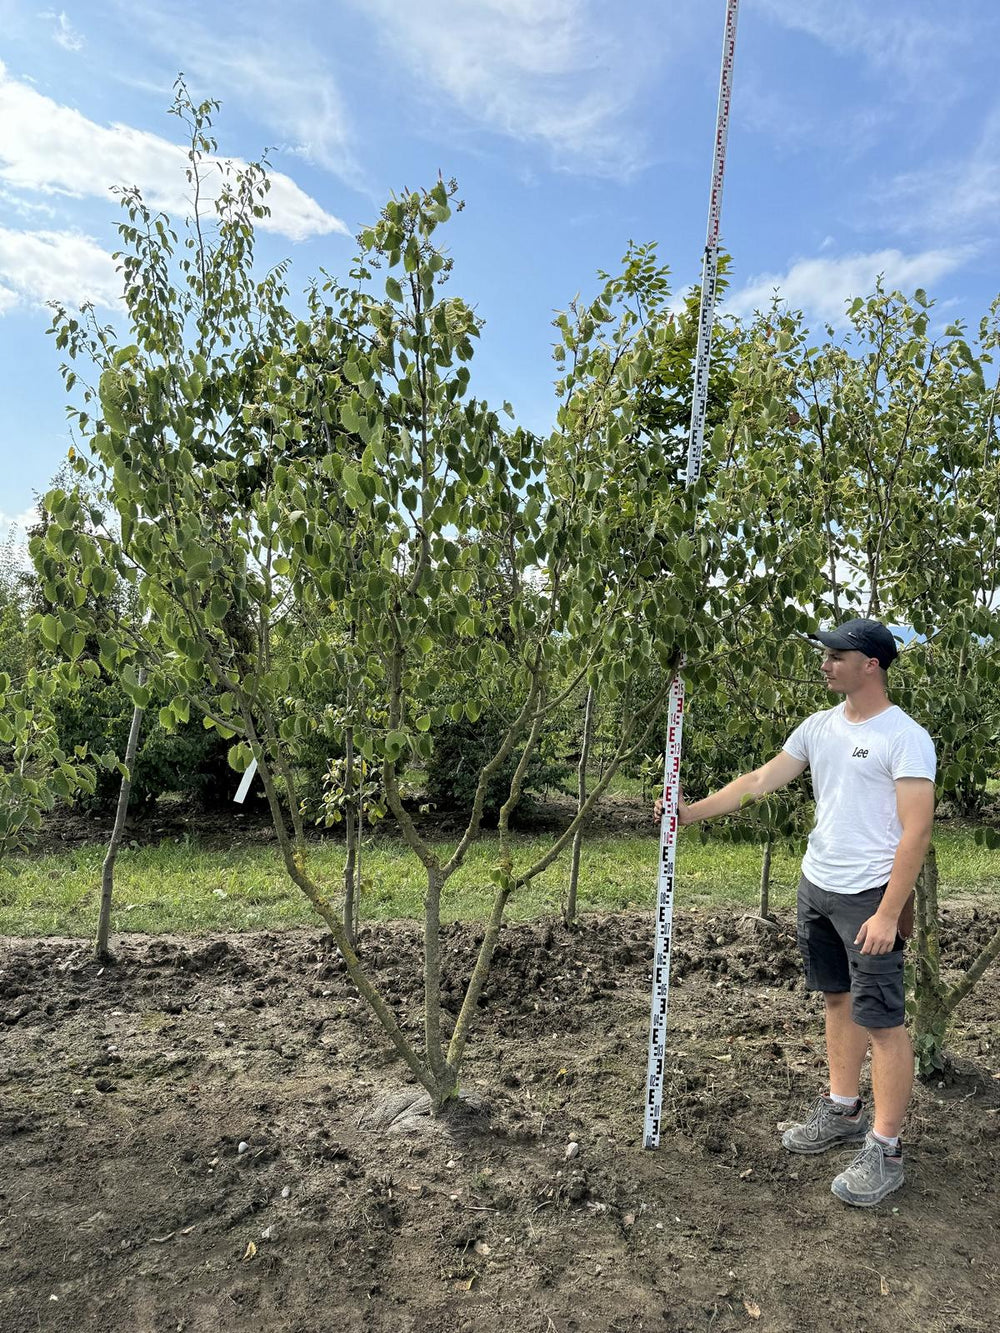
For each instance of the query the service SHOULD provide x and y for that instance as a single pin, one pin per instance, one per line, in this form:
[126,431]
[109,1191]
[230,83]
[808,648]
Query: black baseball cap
[861,636]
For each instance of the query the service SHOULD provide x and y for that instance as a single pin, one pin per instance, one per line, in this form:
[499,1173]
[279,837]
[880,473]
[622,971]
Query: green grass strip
[184,888]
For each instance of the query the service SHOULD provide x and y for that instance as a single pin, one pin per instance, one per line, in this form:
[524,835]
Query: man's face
[845,672]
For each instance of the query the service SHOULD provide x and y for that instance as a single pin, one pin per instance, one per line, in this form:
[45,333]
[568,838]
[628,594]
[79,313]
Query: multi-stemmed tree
[337,466]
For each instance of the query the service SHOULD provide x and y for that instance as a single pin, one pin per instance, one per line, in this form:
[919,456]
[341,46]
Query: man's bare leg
[878,1169]
[830,1125]
[892,1078]
[846,1045]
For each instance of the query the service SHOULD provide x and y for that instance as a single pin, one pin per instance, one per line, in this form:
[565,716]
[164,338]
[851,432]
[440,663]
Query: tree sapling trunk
[351,839]
[765,879]
[569,914]
[935,1001]
[101,950]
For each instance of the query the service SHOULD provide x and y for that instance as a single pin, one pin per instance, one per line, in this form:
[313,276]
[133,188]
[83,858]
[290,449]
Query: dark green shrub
[191,761]
[462,748]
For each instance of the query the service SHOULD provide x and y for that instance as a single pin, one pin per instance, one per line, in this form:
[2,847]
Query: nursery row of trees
[298,533]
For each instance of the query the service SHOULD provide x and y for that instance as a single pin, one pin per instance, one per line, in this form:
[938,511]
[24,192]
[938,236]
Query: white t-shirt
[854,768]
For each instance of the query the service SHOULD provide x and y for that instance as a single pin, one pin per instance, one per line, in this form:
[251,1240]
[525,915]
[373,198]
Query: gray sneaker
[828,1125]
[872,1175]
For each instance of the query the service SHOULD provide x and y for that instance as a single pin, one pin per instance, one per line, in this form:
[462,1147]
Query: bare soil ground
[127,1204]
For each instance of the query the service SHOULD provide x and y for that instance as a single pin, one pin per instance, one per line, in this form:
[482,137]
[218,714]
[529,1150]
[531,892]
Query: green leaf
[395,743]
[239,756]
[109,392]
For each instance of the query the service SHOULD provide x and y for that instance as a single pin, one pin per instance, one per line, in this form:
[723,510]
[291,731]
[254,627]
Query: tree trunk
[569,913]
[294,856]
[437,1069]
[358,841]
[101,950]
[930,1016]
[350,913]
[934,1001]
[765,879]
[432,974]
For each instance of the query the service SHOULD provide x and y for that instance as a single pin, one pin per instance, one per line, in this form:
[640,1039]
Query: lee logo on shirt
[859,753]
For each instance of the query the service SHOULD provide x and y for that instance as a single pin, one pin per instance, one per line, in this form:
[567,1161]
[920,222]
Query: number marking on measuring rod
[672,753]
[664,914]
[709,268]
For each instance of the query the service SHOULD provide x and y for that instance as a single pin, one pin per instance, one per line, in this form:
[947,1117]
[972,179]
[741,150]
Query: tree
[264,469]
[889,435]
[36,770]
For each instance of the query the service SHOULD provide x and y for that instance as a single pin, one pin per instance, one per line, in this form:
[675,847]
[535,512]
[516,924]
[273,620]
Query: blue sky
[865,138]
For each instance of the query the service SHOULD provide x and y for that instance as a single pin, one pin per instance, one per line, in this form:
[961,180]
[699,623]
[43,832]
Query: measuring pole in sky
[672,751]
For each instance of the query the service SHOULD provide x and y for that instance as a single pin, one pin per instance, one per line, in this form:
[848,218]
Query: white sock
[892,1144]
[841,1101]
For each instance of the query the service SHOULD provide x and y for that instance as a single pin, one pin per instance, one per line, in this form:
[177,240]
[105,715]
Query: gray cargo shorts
[827,925]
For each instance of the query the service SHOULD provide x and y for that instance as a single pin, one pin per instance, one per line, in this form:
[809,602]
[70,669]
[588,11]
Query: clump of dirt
[186,1144]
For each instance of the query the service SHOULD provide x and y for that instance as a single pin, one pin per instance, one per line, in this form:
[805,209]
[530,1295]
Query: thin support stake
[672,751]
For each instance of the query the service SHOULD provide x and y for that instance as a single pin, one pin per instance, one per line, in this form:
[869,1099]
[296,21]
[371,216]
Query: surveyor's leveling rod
[672,753]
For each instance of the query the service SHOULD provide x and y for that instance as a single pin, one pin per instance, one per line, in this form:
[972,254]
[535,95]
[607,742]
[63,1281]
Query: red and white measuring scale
[672,755]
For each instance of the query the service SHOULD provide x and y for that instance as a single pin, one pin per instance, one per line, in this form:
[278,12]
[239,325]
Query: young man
[873,773]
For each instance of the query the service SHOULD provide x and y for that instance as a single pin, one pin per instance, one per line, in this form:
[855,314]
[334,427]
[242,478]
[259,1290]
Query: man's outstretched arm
[744,790]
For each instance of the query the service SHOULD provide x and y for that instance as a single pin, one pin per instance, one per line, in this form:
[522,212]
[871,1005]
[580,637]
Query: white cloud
[14,529]
[845,131]
[821,287]
[52,149]
[25,208]
[958,196]
[64,266]
[303,104]
[890,38]
[65,35]
[532,69]
[22,522]
[283,84]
